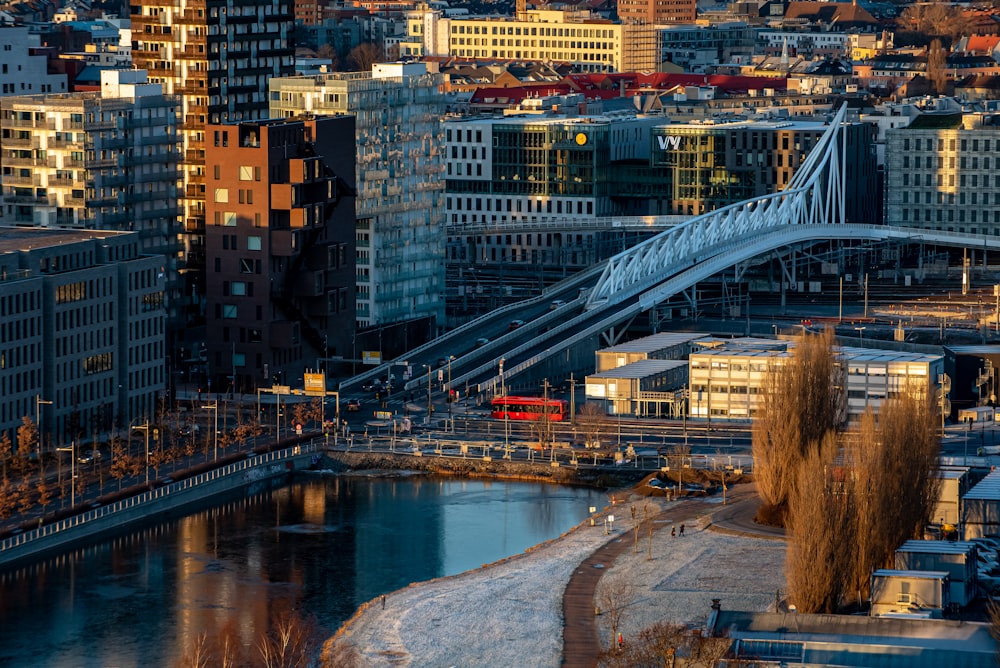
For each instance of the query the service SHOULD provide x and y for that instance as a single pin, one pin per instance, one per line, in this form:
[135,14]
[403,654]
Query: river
[322,545]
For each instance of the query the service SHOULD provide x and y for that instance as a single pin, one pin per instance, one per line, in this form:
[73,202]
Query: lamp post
[72,471]
[429,406]
[861,334]
[214,406]
[39,402]
[145,428]
[450,394]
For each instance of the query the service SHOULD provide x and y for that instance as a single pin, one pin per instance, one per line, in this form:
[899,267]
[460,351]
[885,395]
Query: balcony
[30,180]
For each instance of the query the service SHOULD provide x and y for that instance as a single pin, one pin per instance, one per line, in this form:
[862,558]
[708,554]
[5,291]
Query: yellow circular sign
[581,138]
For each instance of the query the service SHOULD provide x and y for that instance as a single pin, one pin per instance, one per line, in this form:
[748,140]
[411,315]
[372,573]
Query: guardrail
[145,498]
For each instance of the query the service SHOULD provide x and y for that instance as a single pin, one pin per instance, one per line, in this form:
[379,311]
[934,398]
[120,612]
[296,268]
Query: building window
[238,289]
[246,173]
[253,243]
[222,195]
[229,311]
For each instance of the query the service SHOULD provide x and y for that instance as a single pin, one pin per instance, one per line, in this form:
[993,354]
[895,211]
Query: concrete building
[106,160]
[956,558]
[587,43]
[24,65]
[280,248]
[851,640]
[662,346]
[917,593]
[646,387]
[940,173]
[81,326]
[217,58]
[400,165]
[727,381]
[981,508]
[699,48]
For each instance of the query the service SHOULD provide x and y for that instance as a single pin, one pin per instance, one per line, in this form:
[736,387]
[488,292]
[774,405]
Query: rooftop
[655,342]
[641,369]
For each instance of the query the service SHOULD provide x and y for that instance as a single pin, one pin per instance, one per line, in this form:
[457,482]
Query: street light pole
[450,394]
[38,423]
[214,406]
[429,406]
[145,429]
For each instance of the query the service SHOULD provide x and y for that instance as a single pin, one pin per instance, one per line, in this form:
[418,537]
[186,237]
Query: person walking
[682,531]
[673,532]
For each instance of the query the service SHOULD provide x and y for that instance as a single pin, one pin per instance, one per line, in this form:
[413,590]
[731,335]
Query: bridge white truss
[814,196]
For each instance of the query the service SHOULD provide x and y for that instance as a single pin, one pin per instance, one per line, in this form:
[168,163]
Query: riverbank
[511,612]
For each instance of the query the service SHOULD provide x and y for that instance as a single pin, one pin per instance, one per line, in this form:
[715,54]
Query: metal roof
[987,489]
[655,342]
[913,575]
[964,547]
[640,369]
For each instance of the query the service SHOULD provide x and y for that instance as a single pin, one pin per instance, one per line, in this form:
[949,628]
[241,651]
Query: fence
[113,516]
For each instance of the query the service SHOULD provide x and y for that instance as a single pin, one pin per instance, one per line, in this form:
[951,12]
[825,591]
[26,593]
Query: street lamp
[214,406]
[145,428]
[861,334]
[450,394]
[38,422]
[429,406]
[72,471]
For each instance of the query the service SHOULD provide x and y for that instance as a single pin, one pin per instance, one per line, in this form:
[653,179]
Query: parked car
[514,324]
[353,405]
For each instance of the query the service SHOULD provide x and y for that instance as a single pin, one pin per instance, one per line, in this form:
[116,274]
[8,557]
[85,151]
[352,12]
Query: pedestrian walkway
[581,644]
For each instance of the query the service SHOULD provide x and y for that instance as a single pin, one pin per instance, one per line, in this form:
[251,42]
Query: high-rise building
[280,247]
[81,340]
[217,57]
[657,11]
[104,160]
[400,217]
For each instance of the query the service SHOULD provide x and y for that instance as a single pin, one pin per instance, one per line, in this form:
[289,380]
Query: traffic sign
[281,389]
[314,384]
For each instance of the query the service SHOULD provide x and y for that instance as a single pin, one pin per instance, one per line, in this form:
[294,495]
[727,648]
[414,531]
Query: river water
[323,545]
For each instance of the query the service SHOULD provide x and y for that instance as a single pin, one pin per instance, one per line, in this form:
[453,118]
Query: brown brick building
[280,248]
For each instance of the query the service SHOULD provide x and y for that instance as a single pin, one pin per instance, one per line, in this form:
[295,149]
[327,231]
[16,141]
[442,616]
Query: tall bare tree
[893,467]
[937,72]
[820,526]
[614,596]
[804,399]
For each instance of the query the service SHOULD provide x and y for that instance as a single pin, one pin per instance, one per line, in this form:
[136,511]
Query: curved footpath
[537,608]
[581,643]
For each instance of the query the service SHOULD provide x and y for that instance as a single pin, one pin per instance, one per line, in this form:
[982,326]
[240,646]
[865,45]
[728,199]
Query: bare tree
[820,524]
[363,56]
[804,399]
[937,73]
[614,596]
[27,440]
[291,641]
[591,419]
[327,51]
[893,464]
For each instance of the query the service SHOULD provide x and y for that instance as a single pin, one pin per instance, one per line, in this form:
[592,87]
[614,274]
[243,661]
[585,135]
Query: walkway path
[581,644]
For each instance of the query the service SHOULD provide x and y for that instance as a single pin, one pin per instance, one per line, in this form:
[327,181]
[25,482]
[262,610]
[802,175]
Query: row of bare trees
[291,640]
[25,481]
[849,498]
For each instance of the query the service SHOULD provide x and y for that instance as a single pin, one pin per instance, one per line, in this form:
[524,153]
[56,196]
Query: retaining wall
[102,520]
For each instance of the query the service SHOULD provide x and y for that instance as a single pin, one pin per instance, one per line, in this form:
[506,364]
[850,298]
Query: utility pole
[39,402]
[572,399]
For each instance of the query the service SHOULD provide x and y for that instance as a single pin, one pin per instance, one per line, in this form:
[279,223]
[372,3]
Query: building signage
[315,384]
[371,357]
[669,142]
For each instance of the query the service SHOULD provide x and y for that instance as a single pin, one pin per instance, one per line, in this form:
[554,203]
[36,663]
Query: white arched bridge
[603,298]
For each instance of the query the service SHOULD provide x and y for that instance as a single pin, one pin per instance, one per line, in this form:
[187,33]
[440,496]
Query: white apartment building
[96,160]
[727,381]
[400,181]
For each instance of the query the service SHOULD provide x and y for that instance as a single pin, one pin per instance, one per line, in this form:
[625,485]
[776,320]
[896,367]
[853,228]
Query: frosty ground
[510,612]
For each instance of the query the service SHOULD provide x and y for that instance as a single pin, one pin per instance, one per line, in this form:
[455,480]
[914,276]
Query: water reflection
[321,546]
